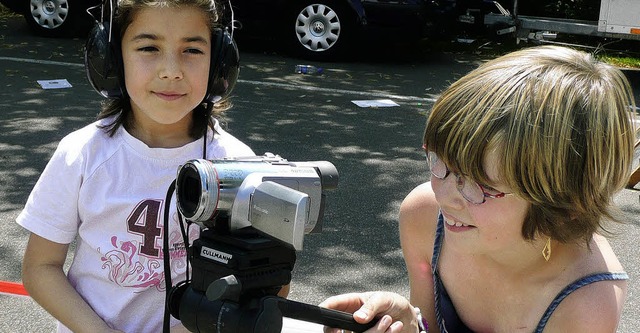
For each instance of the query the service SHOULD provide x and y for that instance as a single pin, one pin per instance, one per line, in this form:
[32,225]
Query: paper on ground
[376,103]
[54,84]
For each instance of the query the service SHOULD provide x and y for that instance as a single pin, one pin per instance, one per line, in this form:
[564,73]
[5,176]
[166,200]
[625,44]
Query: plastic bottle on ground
[308,69]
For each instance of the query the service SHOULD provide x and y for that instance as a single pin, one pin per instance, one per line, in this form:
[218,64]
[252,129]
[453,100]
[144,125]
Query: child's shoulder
[92,137]
[226,144]
[86,134]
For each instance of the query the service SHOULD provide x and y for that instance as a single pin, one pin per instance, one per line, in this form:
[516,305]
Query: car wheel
[322,29]
[57,18]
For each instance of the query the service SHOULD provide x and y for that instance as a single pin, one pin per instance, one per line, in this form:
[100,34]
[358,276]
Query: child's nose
[171,68]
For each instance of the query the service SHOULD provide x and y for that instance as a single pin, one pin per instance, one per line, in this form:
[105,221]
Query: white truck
[618,19]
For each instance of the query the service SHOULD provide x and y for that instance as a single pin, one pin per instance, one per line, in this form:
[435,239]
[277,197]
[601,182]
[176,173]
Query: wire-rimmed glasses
[469,189]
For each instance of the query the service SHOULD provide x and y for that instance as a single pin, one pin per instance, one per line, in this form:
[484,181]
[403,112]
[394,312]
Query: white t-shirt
[109,193]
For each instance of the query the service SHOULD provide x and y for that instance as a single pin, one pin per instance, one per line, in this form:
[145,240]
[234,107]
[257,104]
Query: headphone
[105,71]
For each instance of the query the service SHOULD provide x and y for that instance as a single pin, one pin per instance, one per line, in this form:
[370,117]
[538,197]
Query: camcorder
[253,213]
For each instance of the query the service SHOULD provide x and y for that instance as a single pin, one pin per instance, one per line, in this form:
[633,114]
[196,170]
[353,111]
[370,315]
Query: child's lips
[455,222]
[168,95]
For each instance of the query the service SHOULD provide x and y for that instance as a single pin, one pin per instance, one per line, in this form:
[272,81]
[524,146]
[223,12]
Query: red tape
[13,288]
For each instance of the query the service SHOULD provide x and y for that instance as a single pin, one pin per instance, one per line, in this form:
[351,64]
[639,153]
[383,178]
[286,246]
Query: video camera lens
[197,190]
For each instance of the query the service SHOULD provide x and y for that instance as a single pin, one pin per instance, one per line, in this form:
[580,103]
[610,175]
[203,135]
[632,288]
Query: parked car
[322,29]
[315,29]
[55,18]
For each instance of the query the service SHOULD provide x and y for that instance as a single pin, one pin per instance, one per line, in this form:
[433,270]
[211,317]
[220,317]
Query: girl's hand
[395,313]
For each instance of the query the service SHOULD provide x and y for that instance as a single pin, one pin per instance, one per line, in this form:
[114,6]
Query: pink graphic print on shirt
[128,269]
[138,261]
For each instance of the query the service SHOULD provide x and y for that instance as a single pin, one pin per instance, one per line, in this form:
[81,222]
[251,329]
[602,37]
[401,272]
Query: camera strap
[165,253]
[165,256]
[185,235]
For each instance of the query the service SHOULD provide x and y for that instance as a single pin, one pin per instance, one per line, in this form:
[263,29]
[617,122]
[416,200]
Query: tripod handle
[319,315]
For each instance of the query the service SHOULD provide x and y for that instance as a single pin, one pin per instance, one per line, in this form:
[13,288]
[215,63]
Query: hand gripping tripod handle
[319,315]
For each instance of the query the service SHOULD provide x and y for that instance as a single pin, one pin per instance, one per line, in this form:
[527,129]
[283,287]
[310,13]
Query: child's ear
[225,65]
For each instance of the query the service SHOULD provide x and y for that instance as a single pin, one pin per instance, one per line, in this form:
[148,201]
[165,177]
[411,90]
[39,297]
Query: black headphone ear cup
[225,66]
[103,63]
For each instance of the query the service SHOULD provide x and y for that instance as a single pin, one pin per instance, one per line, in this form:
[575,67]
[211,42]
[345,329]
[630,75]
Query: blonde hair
[559,121]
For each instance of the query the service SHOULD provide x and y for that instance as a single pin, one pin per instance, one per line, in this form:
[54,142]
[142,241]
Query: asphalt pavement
[300,117]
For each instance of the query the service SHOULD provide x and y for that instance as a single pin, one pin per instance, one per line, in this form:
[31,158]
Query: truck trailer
[618,19]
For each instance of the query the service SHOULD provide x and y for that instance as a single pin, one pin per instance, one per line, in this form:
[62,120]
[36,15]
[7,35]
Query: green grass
[623,62]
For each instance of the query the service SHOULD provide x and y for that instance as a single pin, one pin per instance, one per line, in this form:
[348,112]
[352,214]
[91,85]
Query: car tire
[322,29]
[57,18]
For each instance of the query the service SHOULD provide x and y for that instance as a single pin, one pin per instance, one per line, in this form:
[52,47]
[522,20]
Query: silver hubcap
[49,14]
[318,27]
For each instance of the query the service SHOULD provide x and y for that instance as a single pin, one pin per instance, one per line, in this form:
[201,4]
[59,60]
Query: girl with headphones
[166,67]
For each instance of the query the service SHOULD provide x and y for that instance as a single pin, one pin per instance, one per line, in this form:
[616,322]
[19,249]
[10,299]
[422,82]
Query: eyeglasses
[470,190]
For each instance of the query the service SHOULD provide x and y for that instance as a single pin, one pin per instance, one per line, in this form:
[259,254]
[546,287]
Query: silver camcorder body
[254,212]
[282,199]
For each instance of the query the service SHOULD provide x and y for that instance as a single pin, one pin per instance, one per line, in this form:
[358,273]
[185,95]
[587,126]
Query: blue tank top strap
[437,243]
[447,318]
[589,279]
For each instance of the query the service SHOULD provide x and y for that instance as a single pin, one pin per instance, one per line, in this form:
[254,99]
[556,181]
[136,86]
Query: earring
[546,250]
